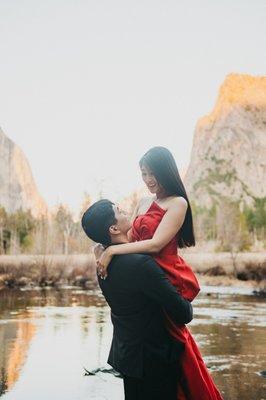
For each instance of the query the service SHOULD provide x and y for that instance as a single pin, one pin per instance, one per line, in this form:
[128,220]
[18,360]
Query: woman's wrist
[111,251]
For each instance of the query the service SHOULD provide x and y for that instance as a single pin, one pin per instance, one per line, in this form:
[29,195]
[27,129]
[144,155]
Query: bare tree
[3,219]
[65,225]
[41,236]
[232,231]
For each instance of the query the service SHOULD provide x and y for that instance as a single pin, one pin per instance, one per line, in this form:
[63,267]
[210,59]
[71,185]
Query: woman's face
[150,180]
[123,222]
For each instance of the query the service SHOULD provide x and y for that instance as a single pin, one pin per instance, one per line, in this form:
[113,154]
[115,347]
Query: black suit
[137,291]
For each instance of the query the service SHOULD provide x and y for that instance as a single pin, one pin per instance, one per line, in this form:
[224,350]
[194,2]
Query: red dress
[196,382]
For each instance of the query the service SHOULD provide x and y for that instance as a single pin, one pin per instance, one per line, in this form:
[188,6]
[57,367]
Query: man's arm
[154,283]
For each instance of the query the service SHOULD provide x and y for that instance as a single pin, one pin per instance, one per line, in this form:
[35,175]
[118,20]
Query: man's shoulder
[128,267]
[137,262]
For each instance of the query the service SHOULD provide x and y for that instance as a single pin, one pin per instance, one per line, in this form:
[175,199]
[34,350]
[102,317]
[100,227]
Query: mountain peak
[238,90]
[18,188]
[229,147]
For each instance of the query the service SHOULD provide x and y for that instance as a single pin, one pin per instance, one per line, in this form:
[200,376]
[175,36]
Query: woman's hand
[103,262]
[98,251]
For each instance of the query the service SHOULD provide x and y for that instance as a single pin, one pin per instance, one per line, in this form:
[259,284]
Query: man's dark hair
[97,220]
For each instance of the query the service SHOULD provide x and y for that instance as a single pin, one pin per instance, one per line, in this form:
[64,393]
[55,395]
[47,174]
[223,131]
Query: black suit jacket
[137,291]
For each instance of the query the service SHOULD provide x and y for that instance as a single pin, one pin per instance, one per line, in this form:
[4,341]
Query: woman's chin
[152,190]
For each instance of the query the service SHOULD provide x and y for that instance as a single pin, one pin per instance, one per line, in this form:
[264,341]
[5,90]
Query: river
[47,336]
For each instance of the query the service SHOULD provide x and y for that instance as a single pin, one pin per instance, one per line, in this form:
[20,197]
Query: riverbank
[213,269]
[49,270]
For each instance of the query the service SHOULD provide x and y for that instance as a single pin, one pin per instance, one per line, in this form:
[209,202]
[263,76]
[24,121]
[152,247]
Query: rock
[2,282]
[23,281]
[215,271]
[80,280]
[17,185]
[229,150]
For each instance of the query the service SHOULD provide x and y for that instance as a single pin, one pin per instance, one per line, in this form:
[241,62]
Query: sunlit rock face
[229,150]
[17,186]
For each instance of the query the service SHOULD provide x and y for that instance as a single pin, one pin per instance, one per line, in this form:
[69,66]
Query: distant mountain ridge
[228,157]
[17,185]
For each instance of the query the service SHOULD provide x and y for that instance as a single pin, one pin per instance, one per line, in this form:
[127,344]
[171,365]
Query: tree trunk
[234,256]
[65,243]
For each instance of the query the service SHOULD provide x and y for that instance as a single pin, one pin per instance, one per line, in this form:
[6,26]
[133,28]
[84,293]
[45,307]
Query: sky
[87,87]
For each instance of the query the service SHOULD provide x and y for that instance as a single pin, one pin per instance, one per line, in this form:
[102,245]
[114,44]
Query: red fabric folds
[196,382]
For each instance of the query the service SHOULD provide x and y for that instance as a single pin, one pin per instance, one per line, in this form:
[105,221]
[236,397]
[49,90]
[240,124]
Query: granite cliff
[17,185]
[228,157]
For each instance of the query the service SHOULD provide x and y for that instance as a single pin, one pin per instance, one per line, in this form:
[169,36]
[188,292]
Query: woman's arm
[170,224]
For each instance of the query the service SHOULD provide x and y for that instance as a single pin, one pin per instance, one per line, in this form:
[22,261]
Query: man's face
[123,222]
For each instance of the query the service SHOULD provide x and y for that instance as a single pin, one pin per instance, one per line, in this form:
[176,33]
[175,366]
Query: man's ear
[113,230]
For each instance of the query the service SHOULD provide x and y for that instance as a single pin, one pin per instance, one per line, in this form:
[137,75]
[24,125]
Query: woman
[160,227]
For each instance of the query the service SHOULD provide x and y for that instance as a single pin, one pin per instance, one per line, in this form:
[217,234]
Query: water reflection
[18,351]
[47,336]
[15,340]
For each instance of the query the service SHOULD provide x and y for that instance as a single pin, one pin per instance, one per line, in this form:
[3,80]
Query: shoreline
[212,269]
[219,283]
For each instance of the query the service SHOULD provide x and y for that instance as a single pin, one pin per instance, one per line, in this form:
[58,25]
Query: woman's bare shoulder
[177,201]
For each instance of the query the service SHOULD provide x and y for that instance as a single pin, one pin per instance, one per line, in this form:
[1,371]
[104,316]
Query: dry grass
[221,263]
[56,270]
[217,269]
[50,270]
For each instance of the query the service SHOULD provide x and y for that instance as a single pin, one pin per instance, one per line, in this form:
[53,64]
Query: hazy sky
[86,87]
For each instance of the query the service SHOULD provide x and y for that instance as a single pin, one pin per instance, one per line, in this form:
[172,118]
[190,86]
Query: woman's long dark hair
[162,164]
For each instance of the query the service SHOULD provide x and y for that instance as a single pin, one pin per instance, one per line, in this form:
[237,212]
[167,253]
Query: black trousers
[159,382]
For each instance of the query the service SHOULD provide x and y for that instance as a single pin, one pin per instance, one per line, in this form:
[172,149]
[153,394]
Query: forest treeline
[231,227]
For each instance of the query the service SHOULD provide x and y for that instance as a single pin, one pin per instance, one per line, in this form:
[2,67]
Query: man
[138,293]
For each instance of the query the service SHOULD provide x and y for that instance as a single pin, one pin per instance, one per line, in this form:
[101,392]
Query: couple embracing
[150,288]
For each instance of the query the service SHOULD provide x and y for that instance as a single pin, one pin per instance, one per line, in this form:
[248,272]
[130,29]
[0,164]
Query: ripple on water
[227,290]
[225,310]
